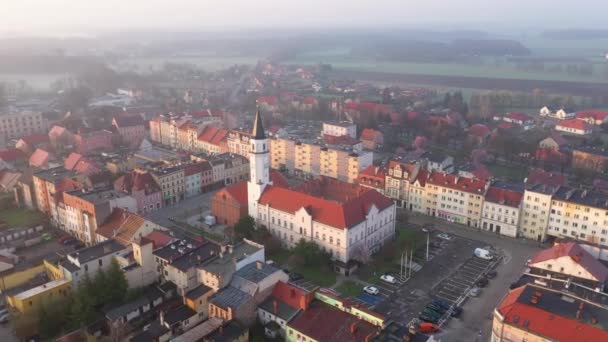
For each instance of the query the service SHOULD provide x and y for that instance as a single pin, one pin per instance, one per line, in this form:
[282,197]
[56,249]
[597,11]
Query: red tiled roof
[137,181]
[544,323]
[481,172]
[422,177]
[374,176]
[86,167]
[597,115]
[540,176]
[71,161]
[578,254]
[270,100]
[34,139]
[519,116]
[159,239]
[504,196]
[220,137]
[366,106]
[239,190]
[277,179]
[273,129]
[577,124]
[479,130]
[323,322]
[310,100]
[342,215]
[121,225]
[341,140]
[192,169]
[56,132]
[505,125]
[291,295]
[455,182]
[11,154]
[39,158]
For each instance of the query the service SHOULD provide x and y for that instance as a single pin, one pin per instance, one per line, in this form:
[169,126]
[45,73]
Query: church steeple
[258,128]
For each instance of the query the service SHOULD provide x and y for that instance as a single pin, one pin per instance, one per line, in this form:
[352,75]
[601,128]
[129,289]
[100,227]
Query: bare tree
[362,254]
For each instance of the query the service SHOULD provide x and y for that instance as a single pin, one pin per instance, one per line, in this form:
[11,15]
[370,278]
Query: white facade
[571,130]
[193,184]
[499,218]
[535,214]
[577,221]
[340,129]
[259,172]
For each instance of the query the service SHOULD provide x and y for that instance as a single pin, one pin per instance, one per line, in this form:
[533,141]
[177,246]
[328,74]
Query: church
[346,220]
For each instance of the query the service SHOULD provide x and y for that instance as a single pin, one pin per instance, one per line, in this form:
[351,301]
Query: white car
[475,292]
[388,278]
[371,290]
[5,318]
[445,236]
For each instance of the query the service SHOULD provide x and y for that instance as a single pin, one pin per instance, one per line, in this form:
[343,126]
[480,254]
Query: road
[478,312]
[183,209]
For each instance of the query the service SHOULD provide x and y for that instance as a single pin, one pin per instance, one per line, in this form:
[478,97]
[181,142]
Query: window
[100,262]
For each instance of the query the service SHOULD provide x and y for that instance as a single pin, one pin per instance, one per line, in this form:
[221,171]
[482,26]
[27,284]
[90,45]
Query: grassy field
[516,174]
[21,217]
[349,288]
[206,62]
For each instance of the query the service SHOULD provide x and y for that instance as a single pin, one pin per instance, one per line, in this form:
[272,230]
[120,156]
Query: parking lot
[454,287]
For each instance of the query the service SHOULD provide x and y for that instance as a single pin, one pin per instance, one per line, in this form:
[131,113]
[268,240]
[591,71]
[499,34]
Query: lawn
[21,217]
[323,276]
[515,173]
[349,288]
[279,257]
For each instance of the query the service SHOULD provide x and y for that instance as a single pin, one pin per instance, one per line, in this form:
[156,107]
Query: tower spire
[258,128]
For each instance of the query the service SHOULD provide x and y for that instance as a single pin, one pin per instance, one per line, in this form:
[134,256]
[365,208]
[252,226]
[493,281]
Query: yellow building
[30,300]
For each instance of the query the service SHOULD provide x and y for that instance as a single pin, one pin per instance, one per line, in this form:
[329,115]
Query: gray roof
[55,174]
[589,198]
[179,314]
[155,330]
[283,311]
[97,196]
[125,309]
[198,291]
[196,257]
[256,271]
[229,332]
[230,297]
[97,251]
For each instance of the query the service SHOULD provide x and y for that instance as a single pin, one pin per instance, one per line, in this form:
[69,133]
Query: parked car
[371,290]
[388,278]
[445,236]
[482,282]
[456,311]
[483,254]
[491,274]
[46,237]
[475,292]
[428,328]
[3,312]
[436,308]
[427,318]
[5,318]
[442,303]
[431,313]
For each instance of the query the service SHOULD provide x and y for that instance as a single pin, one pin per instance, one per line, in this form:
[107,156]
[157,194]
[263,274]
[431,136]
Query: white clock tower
[259,165]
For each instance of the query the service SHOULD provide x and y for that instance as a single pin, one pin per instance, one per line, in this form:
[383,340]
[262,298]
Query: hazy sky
[89,15]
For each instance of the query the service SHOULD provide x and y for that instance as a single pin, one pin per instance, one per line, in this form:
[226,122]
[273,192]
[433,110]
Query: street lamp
[428,238]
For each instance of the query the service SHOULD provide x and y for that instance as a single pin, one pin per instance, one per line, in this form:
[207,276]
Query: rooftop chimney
[353,328]
[259,265]
[275,306]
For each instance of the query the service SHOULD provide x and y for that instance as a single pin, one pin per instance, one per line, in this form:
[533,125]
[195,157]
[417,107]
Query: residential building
[309,160]
[373,177]
[238,143]
[560,114]
[372,139]
[180,319]
[455,199]
[29,143]
[228,168]
[215,329]
[134,309]
[501,209]
[60,138]
[131,129]
[534,313]
[43,159]
[593,117]
[574,126]
[125,227]
[285,302]
[182,270]
[85,143]
[172,183]
[553,142]
[142,186]
[535,211]
[31,300]
[212,140]
[16,125]
[89,260]
[341,218]
[85,211]
[193,176]
[48,186]
[590,158]
[579,214]
[338,129]
[521,119]
[399,175]
[570,261]
[438,162]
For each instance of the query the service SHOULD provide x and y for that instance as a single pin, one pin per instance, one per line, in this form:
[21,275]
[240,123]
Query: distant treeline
[576,34]
[47,64]
[427,51]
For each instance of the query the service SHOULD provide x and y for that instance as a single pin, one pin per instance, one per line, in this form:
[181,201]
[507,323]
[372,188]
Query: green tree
[310,253]
[117,284]
[245,227]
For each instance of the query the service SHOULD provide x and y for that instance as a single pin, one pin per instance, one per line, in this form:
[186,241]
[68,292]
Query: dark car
[491,274]
[456,311]
[427,318]
[436,308]
[482,282]
[431,313]
[295,276]
[442,303]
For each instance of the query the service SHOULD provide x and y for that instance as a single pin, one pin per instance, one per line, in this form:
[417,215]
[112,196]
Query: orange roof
[71,161]
[339,214]
[471,185]
[595,114]
[540,176]
[290,295]
[159,239]
[121,225]
[577,124]
[504,196]
[578,254]
[39,158]
[369,134]
[239,191]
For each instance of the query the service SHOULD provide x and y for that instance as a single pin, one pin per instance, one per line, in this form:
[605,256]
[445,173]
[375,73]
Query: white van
[483,254]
